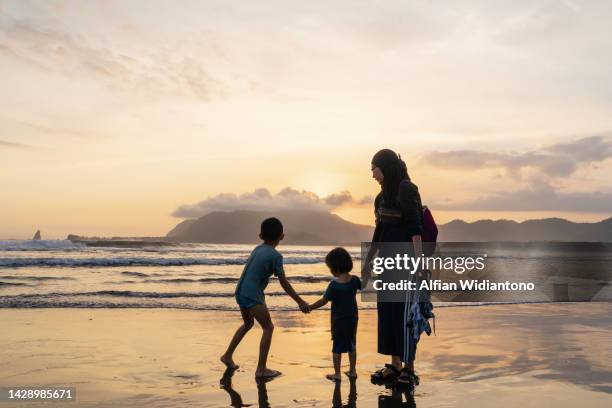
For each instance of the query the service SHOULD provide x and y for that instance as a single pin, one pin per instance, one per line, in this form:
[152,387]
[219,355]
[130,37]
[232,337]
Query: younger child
[263,262]
[344,315]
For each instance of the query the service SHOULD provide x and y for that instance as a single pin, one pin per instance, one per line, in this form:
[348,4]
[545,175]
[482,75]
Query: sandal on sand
[332,377]
[408,377]
[349,375]
[268,374]
[388,373]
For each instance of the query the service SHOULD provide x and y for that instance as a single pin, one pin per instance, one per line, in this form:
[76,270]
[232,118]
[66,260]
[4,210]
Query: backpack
[429,235]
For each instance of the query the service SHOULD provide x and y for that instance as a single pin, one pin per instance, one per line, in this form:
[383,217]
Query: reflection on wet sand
[352,397]
[397,398]
[226,384]
[262,392]
[393,397]
[235,397]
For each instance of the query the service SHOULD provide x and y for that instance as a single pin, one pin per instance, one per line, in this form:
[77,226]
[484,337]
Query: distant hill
[301,228]
[320,228]
[548,229]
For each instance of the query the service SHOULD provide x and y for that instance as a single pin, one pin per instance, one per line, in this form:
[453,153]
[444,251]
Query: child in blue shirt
[341,291]
[263,262]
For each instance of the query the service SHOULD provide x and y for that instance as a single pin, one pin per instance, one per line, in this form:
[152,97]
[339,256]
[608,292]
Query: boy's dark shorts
[344,334]
[245,302]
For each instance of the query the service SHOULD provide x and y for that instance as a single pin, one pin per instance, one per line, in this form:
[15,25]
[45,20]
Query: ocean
[60,273]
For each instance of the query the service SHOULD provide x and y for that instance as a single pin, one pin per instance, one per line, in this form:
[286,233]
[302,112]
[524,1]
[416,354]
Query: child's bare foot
[229,362]
[351,374]
[333,377]
[267,373]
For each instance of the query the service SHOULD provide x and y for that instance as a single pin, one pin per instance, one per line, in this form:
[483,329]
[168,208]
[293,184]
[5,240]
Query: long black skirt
[394,334]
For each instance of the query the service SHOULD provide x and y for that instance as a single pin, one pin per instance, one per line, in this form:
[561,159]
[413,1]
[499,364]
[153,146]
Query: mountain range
[548,229]
[301,228]
[322,228]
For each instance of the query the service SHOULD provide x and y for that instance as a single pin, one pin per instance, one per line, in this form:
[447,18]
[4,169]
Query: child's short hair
[338,260]
[271,229]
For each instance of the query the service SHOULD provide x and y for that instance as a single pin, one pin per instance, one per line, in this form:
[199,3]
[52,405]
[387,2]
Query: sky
[125,117]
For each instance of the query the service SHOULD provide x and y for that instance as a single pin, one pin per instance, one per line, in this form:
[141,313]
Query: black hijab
[393,169]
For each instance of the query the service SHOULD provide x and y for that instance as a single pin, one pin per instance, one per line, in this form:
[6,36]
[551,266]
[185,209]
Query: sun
[320,183]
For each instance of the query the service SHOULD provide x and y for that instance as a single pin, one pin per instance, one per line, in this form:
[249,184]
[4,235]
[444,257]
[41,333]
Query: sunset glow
[115,114]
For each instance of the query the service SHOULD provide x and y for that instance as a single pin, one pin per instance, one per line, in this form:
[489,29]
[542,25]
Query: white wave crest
[42,245]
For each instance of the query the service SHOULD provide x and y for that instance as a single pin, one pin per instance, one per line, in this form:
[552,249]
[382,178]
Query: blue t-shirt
[342,297]
[263,262]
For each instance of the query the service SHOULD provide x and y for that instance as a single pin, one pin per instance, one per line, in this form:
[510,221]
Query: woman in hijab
[399,216]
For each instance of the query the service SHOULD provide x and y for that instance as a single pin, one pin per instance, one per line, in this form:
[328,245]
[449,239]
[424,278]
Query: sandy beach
[511,355]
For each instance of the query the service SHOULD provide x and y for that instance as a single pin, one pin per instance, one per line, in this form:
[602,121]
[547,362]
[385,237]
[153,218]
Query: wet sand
[511,355]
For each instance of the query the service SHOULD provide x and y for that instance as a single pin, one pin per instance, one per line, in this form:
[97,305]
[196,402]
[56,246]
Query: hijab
[393,169]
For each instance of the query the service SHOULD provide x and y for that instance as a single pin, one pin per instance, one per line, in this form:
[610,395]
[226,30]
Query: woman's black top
[408,203]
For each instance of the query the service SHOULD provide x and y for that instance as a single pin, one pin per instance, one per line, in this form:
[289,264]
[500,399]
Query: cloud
[366,200]
[554,165]
[541,197]
[4,143]
[52,131]
[338,199]
[554,161]
[52,48]
[588,149]
[262,200]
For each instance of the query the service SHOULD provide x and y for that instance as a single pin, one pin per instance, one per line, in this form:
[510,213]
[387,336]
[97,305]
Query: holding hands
[304,307]
[291,292]
[307,308]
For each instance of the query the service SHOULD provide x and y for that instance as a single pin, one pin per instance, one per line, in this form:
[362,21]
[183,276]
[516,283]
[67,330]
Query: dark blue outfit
[344,313]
